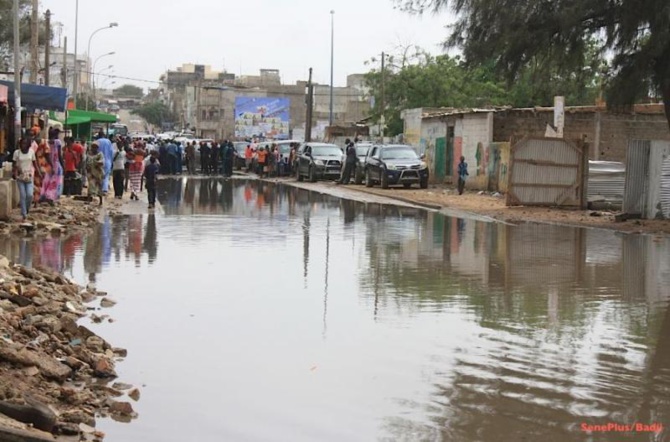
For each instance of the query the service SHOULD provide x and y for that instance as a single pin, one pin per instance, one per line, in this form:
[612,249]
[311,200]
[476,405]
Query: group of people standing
[38,170]
[268,161]
[215,158]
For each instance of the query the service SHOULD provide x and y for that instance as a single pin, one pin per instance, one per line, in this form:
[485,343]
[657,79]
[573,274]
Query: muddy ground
[56,376]
[486,204]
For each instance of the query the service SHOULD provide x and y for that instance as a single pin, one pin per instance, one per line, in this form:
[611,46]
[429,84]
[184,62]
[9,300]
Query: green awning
[74,121]
[93,117]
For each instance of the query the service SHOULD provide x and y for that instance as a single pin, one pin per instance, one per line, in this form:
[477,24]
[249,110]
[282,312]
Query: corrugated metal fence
[547,172]
[647,191]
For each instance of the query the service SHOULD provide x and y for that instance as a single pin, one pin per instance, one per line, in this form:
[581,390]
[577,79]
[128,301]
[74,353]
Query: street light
[92,74]
[332,58]
[88,52]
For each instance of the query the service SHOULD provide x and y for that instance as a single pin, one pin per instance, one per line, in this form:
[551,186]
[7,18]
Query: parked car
[362,150]
[395,164]
[318,161]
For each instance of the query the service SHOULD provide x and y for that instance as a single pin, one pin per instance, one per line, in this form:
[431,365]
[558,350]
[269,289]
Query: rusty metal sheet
[546,172]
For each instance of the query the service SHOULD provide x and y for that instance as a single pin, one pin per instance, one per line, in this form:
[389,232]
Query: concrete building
[58,61]
[204,99]
[446,134]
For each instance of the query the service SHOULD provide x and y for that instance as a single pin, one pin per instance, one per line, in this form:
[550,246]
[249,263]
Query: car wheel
[423,183]
[384,179]
[406,185]
[312,175]
[298,176]
[368,180]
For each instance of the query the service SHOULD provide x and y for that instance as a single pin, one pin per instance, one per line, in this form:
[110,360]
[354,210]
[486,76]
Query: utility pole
[75,83]
[332,61]
[310,107]
[47,49]
[17,78]
[64,71]
[383,104]
[34,42]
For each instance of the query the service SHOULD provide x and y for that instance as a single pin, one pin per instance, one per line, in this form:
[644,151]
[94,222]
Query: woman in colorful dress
[52,182]
[136,170]
[95,163]
[43,160]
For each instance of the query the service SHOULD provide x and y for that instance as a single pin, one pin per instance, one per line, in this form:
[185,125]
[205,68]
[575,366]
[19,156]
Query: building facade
[204,99]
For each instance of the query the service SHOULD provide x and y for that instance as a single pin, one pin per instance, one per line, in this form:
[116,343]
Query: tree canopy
[7,28]
[517,33]
[129,91]
[155,113]
[415,78]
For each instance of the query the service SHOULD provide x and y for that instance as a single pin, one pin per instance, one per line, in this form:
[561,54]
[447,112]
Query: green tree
[129,91]
[516,34]
[155,113]
[7,28]
[85,101]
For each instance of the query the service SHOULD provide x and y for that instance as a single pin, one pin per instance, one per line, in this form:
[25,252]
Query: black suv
[395,164]
[318,161]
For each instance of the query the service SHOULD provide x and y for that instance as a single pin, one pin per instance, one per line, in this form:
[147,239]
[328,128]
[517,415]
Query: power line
[233,88]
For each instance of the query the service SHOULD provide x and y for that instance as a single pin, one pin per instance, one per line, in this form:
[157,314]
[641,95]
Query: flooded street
[254,311]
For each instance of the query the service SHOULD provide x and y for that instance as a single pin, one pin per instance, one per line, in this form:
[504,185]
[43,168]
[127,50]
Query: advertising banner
[264,117]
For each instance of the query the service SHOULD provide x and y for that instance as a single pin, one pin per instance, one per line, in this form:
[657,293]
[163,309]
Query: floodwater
[260,312]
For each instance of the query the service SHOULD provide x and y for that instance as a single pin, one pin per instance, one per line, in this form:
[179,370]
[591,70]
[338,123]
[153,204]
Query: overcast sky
[243,36]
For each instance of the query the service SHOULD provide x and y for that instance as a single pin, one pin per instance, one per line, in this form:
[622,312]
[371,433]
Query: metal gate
[665,189]
[637,177]
[547,172]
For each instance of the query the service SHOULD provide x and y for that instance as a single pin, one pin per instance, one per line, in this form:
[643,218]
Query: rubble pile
[55,375]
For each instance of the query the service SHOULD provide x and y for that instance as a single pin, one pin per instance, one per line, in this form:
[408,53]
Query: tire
[384,179]
[298,176]
[407,185]
[368,180]
[312,175]
[423,183]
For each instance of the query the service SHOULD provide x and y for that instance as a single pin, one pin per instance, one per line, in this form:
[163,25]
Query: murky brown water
[254,312]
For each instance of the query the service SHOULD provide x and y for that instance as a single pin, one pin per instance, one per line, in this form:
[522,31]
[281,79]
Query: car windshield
[284,149]
[362,151]
[326,151]
[399,153]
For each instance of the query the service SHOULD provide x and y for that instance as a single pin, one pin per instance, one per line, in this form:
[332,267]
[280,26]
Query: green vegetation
[561,35]
[155,113]
[423,80]
[129,91]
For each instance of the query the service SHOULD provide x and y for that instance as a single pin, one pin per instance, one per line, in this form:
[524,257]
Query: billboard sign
[265,117]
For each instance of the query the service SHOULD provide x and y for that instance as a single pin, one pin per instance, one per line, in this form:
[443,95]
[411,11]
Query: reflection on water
[129,236]
[326,319]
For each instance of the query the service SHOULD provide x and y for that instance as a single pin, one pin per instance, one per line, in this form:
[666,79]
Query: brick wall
[616,129]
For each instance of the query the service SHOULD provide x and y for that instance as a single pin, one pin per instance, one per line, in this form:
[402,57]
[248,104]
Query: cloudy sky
[242,36]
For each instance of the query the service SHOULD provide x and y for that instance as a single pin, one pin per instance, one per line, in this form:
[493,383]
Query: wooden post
[47,49]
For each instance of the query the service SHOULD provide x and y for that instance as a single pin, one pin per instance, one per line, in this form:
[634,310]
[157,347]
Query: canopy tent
[81,121]
[34,96]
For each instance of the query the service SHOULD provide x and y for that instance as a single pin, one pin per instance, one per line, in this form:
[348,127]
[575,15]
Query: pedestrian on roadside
[190,158]
[214,157]
[25,165]
[107,151]
[228,159]
[349,163]
[262,164]
[95,169]
[462,175]
[118,170]
[70,164]
[248,157]
[136,169]
[150,176]
[172,154]
[205,151]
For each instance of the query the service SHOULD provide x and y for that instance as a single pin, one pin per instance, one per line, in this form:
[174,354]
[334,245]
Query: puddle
[257,311]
